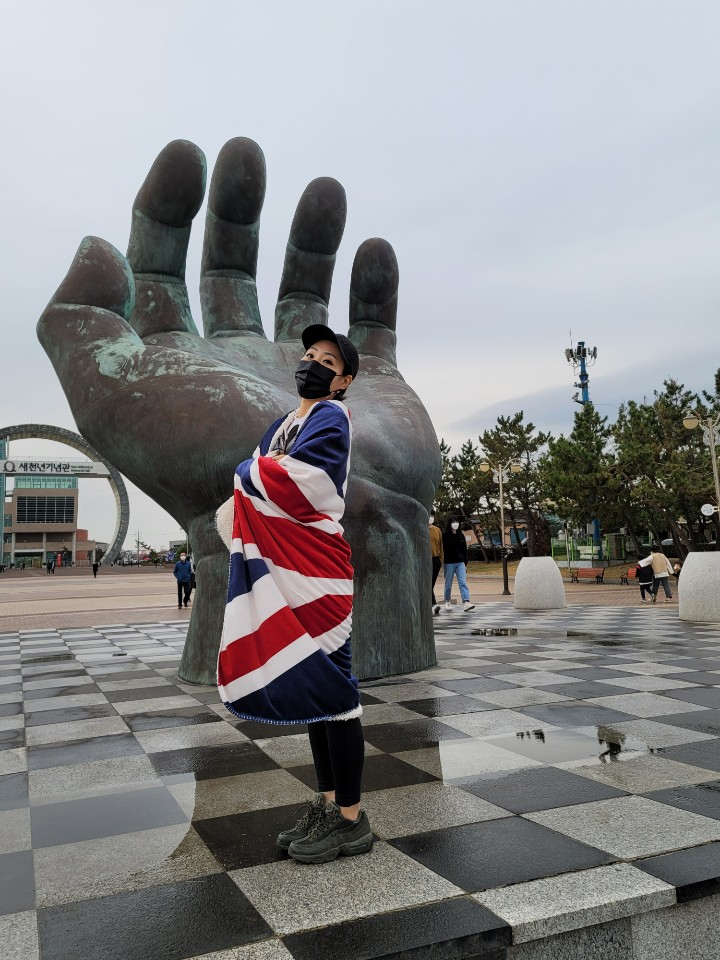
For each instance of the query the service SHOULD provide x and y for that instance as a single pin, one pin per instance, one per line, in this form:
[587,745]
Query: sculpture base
[539,585]
[699,588]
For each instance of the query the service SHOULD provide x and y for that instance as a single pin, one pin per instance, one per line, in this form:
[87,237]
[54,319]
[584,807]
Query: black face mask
[313,379]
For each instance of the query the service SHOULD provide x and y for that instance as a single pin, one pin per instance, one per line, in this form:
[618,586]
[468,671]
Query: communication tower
[580,358]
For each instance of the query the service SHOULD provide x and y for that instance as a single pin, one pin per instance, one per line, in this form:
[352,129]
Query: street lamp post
[501,474]
[711,435]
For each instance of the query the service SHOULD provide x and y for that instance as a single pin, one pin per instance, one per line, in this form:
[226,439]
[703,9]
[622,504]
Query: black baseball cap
[319,331]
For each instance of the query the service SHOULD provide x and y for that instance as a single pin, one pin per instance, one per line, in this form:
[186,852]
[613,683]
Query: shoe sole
[353,849]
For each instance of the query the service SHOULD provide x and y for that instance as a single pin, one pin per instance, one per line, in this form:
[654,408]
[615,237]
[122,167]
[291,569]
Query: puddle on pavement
[602,640]
[455,760]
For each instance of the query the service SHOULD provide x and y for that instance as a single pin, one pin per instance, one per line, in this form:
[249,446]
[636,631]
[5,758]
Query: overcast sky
[538,167]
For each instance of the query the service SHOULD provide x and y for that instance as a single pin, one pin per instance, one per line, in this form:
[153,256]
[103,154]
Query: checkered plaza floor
[552,772]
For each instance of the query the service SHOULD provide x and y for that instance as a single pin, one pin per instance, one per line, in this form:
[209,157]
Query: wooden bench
[587,573]
[630,575]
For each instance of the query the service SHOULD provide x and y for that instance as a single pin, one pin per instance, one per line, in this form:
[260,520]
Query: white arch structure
[43,431]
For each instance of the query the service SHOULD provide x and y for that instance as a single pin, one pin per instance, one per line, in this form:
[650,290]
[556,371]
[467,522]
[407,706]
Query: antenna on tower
[580,358]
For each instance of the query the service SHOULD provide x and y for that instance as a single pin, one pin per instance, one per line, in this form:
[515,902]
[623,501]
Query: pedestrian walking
[644,576]
[455,563]
[436,553]
[661,572]
[95,568]
[183,574]
[285,652]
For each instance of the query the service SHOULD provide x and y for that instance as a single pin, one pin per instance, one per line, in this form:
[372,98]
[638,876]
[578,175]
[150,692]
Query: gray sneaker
[312,815]
[332,836]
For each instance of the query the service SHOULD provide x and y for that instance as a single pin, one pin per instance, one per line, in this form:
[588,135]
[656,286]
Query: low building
[41,523]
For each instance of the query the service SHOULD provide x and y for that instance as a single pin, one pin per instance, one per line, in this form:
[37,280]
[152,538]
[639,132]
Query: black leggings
[338,749]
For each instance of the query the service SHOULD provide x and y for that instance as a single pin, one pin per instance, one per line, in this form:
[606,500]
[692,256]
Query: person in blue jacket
[183,575]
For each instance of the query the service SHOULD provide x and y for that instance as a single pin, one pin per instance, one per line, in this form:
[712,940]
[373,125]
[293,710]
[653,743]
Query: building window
[44,483]
[45,510]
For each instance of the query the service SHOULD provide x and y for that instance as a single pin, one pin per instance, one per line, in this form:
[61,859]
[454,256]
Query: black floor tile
[702,721]
[139,675]
[463,926]
[169,922]
[702,798]
[208,695]
[57,675]
[261,731]
[409,735]
[499,852]
[180,717]
[10,709]
[596,673]
[582,689]
[17,882]
[447,706]
[228,760]
[142,693]
[694,872]
[695,663]
[247,839]
[83,751]
[540,789]
[472,685]
[366,699]
[52,692]
[13,791]
[380,772]
[65,714]
[74,820]
[12,739]
[574,713]
[704,696]
[705,753]
[711,679]
[482,673]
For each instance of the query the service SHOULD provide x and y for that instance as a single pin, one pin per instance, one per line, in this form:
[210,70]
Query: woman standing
[455,560]
[285,654]
[661,572]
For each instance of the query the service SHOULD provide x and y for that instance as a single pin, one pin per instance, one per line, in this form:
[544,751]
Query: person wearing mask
[285,652]
[455,560]
[436,552]
[183,575]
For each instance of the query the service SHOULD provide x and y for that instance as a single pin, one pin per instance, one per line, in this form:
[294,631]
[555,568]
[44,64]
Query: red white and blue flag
[285,650]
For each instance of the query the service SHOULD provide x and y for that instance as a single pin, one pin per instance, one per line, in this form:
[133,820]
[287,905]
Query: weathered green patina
[175,412]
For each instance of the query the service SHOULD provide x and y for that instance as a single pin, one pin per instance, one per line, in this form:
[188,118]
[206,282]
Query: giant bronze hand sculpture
[175,411]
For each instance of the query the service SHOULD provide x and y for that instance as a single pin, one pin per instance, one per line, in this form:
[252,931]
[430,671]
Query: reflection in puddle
[616,743]
[535,734]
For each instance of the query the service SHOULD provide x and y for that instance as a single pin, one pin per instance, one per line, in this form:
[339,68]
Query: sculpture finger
[232,228]
[373,300]
[315,236]
[85,331]
[162,217]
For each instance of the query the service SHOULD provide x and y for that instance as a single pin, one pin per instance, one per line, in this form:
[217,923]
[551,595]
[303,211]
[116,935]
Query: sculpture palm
[175,411]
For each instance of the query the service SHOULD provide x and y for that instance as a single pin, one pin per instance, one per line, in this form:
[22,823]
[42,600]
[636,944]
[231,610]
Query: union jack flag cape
[285,651]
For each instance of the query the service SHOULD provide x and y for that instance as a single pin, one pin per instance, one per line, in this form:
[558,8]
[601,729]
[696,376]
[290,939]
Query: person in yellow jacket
[662,571]
[436,550]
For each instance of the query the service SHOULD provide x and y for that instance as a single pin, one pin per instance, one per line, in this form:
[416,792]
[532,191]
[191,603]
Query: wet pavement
[552,772]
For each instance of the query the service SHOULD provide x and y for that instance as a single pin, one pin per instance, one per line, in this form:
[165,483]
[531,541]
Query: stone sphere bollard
[699,588]
[539,585]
